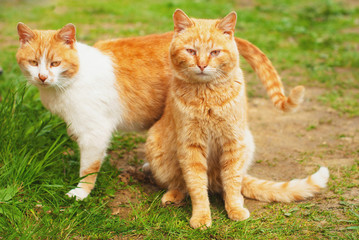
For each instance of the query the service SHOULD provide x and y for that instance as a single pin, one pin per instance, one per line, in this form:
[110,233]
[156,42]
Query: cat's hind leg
[172,196]
[163,165]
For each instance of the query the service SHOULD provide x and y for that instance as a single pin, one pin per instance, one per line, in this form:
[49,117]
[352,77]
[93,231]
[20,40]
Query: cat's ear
[228,23]
[67,34]
[25,33]
[181,21]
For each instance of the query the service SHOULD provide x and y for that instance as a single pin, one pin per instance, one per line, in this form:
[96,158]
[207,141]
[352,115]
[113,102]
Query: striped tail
[295,190]
[269,77]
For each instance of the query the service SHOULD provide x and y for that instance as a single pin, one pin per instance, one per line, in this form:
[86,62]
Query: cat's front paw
[78,193]
[202,221]
[239,214]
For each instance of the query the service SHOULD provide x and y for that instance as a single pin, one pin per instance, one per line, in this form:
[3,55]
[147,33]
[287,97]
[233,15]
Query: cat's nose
[42,77]
[202,67]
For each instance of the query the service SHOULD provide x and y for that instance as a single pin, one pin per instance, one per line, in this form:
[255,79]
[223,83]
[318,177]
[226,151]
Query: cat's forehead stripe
[43,56]
[43,46]
[200,43]
[42,41]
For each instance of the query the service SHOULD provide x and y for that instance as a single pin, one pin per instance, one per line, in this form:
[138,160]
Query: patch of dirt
[349,3]
[241,4]
[124,198]
[294,144]
[121,204]
[351,30]
[288,145]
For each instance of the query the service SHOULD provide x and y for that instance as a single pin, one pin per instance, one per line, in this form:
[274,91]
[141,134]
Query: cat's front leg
[71,134]
[233,164]
[93,148]
[194,167]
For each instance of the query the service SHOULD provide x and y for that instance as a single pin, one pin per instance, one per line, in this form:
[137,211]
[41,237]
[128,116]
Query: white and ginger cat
[117,84]
[202,141]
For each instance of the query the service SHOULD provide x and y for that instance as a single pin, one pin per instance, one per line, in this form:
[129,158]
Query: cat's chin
[43,85]
[202,78]
[46,84]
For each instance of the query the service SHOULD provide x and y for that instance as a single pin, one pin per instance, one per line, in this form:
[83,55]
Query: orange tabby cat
[203,142]
[117,84]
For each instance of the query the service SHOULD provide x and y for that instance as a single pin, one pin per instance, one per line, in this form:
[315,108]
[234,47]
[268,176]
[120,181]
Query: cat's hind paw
[78,193]
[172,196]
[146,168]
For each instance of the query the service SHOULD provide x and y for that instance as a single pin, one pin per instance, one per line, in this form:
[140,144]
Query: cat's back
[139,41]
[140,50]
[140,59]
[142,72]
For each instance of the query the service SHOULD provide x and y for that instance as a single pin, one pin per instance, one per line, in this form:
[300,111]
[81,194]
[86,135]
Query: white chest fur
[90,104]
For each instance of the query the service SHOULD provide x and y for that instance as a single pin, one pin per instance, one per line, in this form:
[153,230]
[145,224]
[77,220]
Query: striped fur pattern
[294,190]
[270,78]
[202,142]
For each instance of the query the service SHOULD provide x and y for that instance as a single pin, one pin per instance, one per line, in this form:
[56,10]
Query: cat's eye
[191,51]
[55,63]
[33,63]
[215,53]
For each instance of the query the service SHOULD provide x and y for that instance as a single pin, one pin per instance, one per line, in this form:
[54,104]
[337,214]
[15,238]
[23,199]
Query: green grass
[346,101]
[310,42]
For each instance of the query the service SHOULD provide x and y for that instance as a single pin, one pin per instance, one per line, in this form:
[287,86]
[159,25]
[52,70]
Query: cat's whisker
[219,75]
[61,88]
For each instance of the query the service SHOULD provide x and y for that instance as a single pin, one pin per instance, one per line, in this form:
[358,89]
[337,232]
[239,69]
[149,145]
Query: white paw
[79,193]
[146,168]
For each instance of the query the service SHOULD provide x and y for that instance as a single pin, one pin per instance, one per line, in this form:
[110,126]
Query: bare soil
[288,145]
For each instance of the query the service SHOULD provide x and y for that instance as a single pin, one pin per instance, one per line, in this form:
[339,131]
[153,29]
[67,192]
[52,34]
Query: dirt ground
[288,145]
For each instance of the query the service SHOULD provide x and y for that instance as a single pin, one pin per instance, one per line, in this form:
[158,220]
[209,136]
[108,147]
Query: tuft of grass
[311,127]
[345,102]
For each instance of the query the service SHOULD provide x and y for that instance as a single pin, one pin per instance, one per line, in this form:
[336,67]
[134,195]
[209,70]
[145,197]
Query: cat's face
[48,58]
[203,50]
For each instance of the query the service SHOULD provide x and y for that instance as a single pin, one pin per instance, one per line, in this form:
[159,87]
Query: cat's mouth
[202,74]
[42,84]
